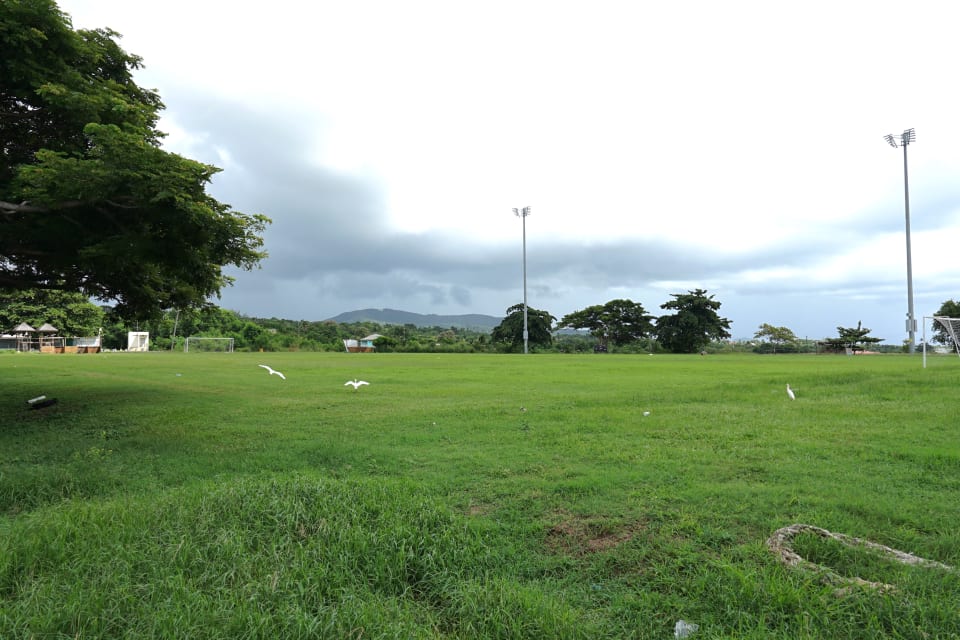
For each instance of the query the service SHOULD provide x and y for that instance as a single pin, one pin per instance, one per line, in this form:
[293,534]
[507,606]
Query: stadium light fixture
[904,140]
[522,214]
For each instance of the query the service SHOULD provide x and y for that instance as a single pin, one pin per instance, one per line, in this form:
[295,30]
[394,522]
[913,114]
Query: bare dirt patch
[582,535]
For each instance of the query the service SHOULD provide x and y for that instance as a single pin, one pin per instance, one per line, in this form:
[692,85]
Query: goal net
[196,344]
[952,327]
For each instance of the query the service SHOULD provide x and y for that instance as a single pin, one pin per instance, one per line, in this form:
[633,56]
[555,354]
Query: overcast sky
[731,146]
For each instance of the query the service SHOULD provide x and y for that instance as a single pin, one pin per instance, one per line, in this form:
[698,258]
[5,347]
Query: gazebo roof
[24,327]
[47,328]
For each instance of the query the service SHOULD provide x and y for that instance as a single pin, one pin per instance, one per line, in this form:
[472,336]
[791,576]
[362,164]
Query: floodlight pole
[905,139]
[522,214]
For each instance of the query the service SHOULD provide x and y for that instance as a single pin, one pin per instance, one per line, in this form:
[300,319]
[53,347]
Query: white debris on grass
[684,629]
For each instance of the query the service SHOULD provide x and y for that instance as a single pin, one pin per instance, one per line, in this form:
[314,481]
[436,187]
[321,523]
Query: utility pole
[522,214]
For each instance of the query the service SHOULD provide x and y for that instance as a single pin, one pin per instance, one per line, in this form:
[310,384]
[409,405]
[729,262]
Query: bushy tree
[71,313]
[694,325]
[618,322]
[89,202]
[776,336]
[509,333]
[857,338]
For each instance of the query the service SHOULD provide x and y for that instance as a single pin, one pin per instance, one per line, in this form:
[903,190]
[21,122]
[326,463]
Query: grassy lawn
[171,495]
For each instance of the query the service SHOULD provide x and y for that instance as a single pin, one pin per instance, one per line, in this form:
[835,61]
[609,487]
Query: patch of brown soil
[479,509]
[579,535]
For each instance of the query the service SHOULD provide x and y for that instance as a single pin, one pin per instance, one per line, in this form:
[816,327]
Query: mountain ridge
[396,316]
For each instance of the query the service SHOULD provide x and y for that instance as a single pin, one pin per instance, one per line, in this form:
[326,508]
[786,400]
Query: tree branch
[25,207]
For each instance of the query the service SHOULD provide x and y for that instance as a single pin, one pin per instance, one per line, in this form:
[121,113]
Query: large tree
[89,202]
[854,338]
[71,313]
[776,336]
[509,332]
[694,325]
[618,322]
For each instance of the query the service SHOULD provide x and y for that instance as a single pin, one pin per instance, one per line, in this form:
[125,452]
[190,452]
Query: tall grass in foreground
[193,495]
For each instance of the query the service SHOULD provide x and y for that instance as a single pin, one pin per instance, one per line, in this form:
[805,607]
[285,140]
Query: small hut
[23,329]
[24,334]
[363,345]
[48,328]
[49,343]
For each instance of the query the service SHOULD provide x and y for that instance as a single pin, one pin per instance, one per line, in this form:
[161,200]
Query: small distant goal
[199,344]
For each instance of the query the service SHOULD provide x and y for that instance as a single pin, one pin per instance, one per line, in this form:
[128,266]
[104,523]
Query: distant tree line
[622,325]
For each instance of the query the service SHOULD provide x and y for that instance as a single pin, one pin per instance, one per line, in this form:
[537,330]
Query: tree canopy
[89,202]
[776,336]
[856,338]
[70,312]
[949,309]
[509,332]
[618,322]
[695,323]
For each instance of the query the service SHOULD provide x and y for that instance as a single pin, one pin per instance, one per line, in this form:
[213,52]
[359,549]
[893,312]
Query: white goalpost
[202,344]
[952,327]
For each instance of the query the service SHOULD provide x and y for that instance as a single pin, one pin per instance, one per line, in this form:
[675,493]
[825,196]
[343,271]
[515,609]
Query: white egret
[272,372]
[356,384]
[790,393]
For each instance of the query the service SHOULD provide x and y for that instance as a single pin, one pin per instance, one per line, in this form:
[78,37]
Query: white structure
[91,342]
[138,341]
[363,345]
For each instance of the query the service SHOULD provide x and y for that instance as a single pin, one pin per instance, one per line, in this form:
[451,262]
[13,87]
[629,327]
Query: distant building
[363,345]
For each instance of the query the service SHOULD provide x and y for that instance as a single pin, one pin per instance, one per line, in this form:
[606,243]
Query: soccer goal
[200,344]
[950,325]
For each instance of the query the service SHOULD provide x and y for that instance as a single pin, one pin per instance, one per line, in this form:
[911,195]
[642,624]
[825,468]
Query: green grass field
[475,496]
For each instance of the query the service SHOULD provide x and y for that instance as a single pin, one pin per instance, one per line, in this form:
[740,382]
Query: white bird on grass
[790,393]
[272,372]
[356,384]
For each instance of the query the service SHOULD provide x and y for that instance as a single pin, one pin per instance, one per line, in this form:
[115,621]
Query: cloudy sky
[731,146]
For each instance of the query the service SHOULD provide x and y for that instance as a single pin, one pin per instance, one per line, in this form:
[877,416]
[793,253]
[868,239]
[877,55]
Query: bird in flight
[272,372]
[356,384]
[790,393]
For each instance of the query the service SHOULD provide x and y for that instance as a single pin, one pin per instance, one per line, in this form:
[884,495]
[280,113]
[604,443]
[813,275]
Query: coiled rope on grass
[780,543]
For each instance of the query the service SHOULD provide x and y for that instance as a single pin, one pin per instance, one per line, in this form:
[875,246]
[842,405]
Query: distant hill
[475,321]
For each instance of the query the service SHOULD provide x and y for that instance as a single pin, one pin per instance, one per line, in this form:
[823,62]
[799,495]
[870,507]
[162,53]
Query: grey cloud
[331,248]
[460,295]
